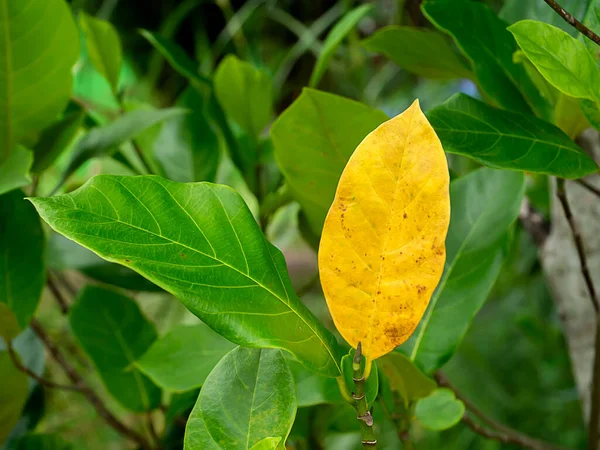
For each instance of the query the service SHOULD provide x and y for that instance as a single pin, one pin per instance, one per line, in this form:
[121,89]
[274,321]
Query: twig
[93,398]
[534,223]
[44,382]
[589,186]
[363,414]
[66,283]
[567,17]
[62,302]
[501,432]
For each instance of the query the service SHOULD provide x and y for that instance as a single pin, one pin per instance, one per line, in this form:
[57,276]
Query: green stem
[363,414]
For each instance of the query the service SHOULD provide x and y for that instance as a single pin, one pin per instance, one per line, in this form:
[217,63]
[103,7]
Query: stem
[573,21]
[62,302]
[594,432]
[363,414]
[93,398]
[589,186]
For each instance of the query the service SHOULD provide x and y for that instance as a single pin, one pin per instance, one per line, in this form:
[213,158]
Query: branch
[589,186]
[93,398]
[62,302]
[534,223]
[573,21]
[500,432]
[44,382]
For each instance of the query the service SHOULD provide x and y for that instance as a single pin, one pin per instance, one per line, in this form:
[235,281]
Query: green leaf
[405,377]
[103,141]
[103,46]
[14,171]
[313,140]
[248,396]
[187,146]
[592,21]
[35,67]
[21,256]
[313,389]
[182,359]
[420,51]
[483,38]
[334,39]
[14,390]
[270,443]
[113,332]
[201,243]
[515,10]
[55,139]
[440,411]
[371,383]
[591,110]
[245,93]
[39,441]
[507,140]
[9,325]
[561,59]
[485,203]
[568,115]
[64,254]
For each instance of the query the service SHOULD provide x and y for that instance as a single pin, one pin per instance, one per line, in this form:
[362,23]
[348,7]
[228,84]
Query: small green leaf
[103,141]
[9,326]
[187,147]
[39,441]
[507,140]
[35,68]
[245,93]
[113,332]
[313,140]
[248,396]
[103,46]
[182,359]
[270,443]
[483,38]
[371,383]
[201,243]
[55,139]
[561,59]
[485,204]
[440,411]
[14,171]
[420,51]
[313,389]
[335,38]
[14,390]
[21,256]
[405,377]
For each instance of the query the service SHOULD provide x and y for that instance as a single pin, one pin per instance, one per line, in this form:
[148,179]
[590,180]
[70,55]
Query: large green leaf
[35,67]
[14,390]
[507,140]
[187,147]
[420,51]
[313,389]
[201,243]
[483,38]
[313,140]
[248,396]
[245,93]
[515,10]
[103,141]
[14,171]
[334,40]
[182,359]
[440,410]
[485,204]
[563,60]
[114,333]
[103,47]
[21,256]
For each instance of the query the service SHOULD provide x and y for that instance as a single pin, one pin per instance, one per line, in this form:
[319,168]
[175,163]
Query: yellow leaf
[382,249]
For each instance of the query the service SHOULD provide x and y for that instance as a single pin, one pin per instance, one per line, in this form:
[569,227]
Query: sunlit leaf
[35,67]
[382,248]
[335,38]
[248,396]
[180,237]
[592,21]
[113,332]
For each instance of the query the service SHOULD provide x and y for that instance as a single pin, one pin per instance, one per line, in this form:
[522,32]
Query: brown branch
[500,431]
[567,17]
[66,283]
[44,382]
[534,223]
[62,302]
[92,397]
[589,186]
